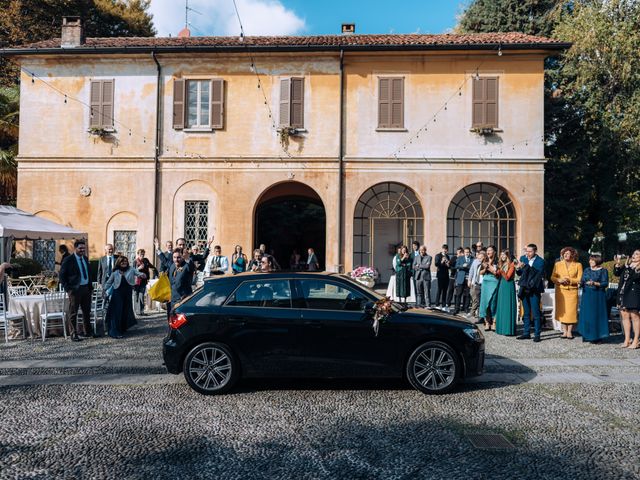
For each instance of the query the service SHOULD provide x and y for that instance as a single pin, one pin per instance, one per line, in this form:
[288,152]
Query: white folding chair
[55,313]
[19,291]
[6,318]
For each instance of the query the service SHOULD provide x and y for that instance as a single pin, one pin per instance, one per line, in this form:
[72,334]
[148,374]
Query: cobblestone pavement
[104,409]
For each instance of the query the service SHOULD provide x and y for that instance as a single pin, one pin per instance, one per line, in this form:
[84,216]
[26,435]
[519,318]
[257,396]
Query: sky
[305,17]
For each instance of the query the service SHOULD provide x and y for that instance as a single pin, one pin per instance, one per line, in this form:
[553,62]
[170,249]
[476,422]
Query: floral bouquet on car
[381,312]
[365,275]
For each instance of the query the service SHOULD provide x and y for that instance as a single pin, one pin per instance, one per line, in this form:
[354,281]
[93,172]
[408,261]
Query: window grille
[482,212]
[44,252]
[196,222]
[124,242]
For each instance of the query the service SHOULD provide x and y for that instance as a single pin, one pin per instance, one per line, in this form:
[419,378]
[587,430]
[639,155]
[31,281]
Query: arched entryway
[290,216]
[386,215]
[482,212]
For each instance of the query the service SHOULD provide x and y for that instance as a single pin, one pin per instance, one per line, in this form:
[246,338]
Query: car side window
[322,295]
[214,296]
[272,293]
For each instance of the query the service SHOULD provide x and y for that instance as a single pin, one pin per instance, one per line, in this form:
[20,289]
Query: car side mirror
[369,308]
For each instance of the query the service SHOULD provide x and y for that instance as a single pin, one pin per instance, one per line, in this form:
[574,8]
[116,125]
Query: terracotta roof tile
[447,40]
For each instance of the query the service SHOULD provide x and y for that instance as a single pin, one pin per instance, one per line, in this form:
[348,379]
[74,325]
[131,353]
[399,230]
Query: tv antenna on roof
[188,9]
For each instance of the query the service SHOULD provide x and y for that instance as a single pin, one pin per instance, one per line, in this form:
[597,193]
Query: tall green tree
[534,17]
[27,21]
[592,112]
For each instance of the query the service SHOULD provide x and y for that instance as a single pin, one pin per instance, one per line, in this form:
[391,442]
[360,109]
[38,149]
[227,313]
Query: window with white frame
[44,252]
[198,103]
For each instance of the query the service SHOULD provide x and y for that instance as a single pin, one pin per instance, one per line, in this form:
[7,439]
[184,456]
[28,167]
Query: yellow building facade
[347,144]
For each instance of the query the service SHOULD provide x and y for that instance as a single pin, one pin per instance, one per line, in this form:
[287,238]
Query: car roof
[277,274]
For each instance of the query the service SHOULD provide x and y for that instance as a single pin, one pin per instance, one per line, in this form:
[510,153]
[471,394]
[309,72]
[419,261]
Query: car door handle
[237,320]
[313,323]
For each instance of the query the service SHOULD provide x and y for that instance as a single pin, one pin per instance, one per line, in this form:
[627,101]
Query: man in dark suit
[442,274]
[74,277]
[530,268]
[106,264]
[180,275]
[461,295]
[422,277]
[452,275]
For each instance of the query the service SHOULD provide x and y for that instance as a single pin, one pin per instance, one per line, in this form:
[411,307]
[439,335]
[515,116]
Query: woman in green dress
[403,274]
[507,309]
[489,290]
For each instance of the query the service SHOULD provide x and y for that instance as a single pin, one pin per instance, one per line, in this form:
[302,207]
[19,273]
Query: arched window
[484,212]
[387,214]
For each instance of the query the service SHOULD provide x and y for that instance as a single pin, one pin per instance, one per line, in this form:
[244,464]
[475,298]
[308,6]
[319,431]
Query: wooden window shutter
[397,103]
[297,102]
[178,104]
[217,103]
[94,101]
[477,115]
[285,102]
[384,102]
[485,102]
[491,102]
[107,103]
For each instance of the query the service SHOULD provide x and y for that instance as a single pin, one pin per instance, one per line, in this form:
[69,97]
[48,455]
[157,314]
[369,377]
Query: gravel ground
[576,432]
[316,429]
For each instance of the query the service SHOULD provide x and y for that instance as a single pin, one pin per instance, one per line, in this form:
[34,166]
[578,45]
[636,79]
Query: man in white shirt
[216,263]
[475,283]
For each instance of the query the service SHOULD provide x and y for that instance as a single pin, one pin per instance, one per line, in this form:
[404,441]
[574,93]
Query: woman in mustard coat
[567,274]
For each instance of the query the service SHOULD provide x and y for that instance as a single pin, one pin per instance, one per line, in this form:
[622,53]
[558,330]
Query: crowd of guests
[477,282]
[123,284]
[480,283]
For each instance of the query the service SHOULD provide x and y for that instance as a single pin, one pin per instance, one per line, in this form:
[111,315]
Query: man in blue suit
[530,267]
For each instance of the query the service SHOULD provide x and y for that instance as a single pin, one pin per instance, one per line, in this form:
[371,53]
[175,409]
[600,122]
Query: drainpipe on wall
[156,157]
[341,169]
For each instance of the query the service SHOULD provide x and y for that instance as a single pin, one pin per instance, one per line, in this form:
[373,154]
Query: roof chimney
[72,32]
[184,33]
[348,28]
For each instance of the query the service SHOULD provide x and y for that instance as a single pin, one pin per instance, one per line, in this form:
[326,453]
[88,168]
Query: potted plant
[367,276]
[483,130]
[100,132]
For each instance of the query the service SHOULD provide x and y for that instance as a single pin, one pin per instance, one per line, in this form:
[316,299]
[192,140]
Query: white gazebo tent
[17,224]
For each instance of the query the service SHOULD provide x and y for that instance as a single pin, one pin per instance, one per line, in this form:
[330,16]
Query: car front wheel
[210,368]
[434,368]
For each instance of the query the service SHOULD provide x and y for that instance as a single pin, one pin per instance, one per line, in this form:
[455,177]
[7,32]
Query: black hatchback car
[312,325]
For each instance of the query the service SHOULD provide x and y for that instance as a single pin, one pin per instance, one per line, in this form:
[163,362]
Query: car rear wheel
[210,368]
[434,368]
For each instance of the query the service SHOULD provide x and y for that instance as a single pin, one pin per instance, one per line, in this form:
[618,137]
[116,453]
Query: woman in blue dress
[489,291]
[238,261]
[594,318]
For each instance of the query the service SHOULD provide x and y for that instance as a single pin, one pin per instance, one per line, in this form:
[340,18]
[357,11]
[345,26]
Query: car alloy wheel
[210,368]
[433,367]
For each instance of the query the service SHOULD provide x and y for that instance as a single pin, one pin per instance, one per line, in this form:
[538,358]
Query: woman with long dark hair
[489,291]
[238,260]
[119,288]
[506,308]
[404,263]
